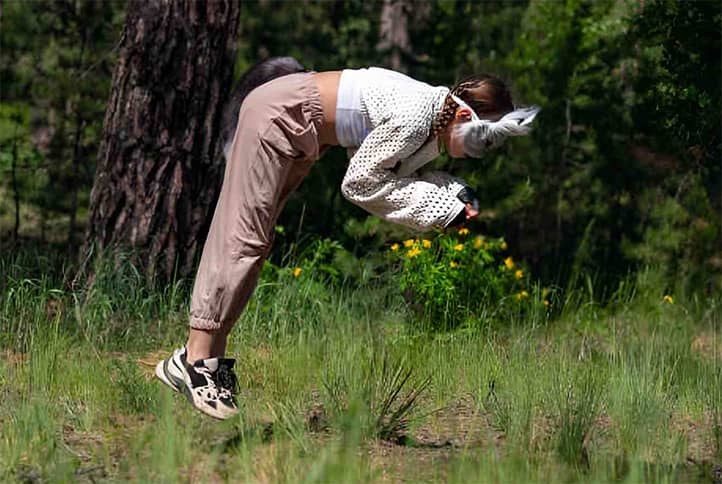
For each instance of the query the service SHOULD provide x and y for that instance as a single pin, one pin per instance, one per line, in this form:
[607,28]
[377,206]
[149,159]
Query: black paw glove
[466,195]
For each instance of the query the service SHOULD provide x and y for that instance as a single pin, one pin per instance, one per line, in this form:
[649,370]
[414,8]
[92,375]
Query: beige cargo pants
[274,146]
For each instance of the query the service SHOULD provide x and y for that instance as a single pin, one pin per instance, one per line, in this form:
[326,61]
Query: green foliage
[57,65]
[579,404]
[624,392]
[453,278]
[622,170]
[135,393]
[627,126]
[382,392]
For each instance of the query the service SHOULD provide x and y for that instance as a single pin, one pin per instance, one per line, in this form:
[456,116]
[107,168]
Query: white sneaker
[209,384]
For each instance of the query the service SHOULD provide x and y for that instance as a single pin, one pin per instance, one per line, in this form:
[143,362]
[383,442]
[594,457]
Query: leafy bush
[449,279]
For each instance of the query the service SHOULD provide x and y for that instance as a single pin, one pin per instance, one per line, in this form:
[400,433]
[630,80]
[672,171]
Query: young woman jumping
[281,119]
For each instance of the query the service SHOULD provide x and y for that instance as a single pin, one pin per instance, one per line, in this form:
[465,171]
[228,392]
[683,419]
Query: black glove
[466,195]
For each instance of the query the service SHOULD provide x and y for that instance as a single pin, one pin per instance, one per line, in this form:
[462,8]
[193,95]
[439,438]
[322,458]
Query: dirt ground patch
[709,345]
[428,450]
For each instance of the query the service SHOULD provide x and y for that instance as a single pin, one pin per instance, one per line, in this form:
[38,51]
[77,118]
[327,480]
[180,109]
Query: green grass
[338,387]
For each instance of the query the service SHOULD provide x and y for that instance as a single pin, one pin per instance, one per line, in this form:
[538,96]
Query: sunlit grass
[337,387]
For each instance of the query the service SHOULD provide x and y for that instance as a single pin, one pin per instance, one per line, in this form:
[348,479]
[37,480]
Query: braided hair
[487,95]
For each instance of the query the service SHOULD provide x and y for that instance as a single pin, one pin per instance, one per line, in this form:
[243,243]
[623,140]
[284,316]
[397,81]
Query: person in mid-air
[281,118]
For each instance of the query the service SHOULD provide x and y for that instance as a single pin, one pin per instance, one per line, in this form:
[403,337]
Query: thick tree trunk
[159,166]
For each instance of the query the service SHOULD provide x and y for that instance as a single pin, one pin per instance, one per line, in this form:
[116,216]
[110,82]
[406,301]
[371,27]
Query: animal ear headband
[480,135]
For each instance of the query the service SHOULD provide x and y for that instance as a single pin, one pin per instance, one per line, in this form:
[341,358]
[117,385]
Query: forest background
[622,170]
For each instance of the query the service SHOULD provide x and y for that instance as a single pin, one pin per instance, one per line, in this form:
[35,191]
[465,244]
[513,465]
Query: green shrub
[453,278]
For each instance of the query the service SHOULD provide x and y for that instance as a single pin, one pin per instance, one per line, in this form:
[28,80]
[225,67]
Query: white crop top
[384,121]
[352,125]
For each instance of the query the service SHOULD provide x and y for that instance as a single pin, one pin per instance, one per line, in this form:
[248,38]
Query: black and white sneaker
[209,384]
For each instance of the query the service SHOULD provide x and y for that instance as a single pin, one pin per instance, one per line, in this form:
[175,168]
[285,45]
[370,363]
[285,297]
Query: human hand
[471,207]
[471,203]
[470,211]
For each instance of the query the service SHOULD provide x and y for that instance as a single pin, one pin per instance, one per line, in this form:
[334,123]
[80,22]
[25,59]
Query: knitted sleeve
[418,202]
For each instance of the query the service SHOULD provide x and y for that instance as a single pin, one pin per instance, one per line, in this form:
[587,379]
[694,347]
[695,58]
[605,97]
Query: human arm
[421,202]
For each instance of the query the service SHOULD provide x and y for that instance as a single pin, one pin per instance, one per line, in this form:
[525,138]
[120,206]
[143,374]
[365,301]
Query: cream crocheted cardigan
[381,175]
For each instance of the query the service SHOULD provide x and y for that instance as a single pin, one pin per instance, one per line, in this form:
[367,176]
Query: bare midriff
[327,83]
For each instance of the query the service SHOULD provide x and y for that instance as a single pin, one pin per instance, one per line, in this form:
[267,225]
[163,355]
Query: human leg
[275,143]
[273,148]
[204,343]
[239,239]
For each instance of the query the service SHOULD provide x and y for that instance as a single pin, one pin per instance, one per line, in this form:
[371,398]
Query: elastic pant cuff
[205,324]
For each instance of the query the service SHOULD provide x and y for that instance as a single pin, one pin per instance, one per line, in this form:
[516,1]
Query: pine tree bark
[159,163]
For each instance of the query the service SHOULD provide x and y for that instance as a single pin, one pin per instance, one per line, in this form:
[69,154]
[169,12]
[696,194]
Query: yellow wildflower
[408,243]
[297,271]
[668,299]
[463,231]
[503,245]
[519,274]
[509,263]
[459,247]
[477,242]
[395,247]
[413,252]
[426,243]
[546,303]
[522,295]
[453,264]
[545,291]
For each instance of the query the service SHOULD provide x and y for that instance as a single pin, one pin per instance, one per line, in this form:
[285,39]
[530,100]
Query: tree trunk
[159,166]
